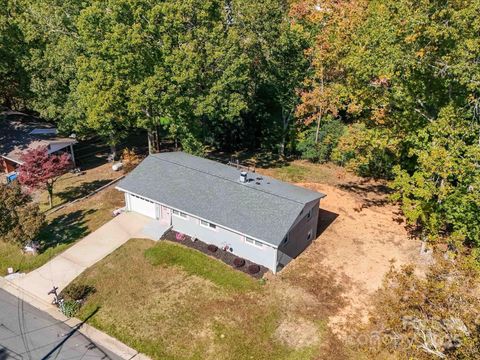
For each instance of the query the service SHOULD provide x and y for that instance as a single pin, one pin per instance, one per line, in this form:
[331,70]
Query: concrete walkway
[62,269]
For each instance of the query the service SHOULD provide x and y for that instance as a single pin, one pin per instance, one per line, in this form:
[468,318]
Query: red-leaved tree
[41,170]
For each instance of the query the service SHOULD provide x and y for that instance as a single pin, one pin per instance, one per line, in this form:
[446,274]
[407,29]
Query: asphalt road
[27,333]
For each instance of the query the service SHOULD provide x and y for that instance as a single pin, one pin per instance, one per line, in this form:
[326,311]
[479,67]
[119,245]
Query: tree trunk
[113,151]
[285,122]
[153,142]
[282,145]
[50,195]
[319,119]
[150,142]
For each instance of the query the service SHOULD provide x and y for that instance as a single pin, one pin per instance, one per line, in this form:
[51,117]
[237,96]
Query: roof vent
[243,177]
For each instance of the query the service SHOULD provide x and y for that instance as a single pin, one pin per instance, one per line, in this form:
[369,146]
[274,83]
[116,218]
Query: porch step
[155,230]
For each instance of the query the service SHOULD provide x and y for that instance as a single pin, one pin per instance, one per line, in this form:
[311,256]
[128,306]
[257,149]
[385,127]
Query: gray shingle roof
[16,137]
[212,191]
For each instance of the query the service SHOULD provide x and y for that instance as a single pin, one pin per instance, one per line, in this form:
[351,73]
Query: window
[309,236]
[309,214]
[207,224]
[285,239]
[253,242]
[179,214]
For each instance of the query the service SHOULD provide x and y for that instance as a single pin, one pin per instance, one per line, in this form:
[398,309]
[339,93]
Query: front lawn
[194,262]
[74,186]
[172,302]
[64,228]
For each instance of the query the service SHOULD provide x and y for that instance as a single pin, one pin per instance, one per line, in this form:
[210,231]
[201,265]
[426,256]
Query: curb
[98,337]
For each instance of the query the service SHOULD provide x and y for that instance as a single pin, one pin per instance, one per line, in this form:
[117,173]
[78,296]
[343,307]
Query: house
[20,133]
[255,217]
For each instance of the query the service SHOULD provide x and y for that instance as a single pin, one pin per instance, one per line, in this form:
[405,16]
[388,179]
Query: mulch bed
[222,255]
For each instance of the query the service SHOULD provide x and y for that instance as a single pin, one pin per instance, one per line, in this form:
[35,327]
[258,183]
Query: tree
[317,143]
[20,219]
[205,68]
[50,33]
[431,316]
[333,23]
[42,170]
[14,86]
[130,160]
[275,46]
[443,194]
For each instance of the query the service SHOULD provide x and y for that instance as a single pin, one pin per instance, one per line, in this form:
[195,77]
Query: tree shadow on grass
[76,192]
[91,161]
[65,229]
[365,190]
[251,159]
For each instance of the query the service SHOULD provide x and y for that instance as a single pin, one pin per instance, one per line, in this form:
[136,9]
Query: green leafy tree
[370,152]
[14,84]
[317,143]
[275,45]
[443,194]
[206,68]
[20,219]
[107,66]
[52,37]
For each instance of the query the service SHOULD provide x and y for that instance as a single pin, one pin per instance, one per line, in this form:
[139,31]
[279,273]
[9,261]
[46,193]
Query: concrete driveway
[62,269]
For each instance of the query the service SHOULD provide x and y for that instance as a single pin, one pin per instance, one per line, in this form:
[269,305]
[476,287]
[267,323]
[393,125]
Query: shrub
[180,237]
[238,262]
[130,160]
[367,152]
[328,137]
[435,314]
[212,248]
[77,292]
[69,308]
[20,219]
[253,269]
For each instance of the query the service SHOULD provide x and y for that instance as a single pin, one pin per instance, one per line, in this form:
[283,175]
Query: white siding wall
[264,255]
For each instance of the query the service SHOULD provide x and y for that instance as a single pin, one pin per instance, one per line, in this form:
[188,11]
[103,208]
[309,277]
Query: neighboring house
[255,217]
[20,133]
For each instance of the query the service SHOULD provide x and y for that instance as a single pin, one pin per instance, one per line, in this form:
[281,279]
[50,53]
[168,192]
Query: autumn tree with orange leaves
[332,24]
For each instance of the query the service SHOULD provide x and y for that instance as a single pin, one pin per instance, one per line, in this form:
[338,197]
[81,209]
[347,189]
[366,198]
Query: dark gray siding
[298,239]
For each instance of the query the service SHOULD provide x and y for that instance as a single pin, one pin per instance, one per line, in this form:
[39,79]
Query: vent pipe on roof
[243,177]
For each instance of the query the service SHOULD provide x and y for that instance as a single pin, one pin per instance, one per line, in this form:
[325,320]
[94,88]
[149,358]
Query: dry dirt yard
[361,235]
[360,245]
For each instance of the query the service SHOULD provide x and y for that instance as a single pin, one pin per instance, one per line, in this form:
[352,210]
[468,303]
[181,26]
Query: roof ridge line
[223,178]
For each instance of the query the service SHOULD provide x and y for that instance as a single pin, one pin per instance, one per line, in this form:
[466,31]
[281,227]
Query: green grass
[73,186]
[12,256]
[64,228]
[304,171]
[195,263]
[175,303]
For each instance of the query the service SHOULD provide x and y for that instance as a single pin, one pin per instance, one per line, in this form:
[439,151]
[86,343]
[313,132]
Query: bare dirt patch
[297,333]
[360,239]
